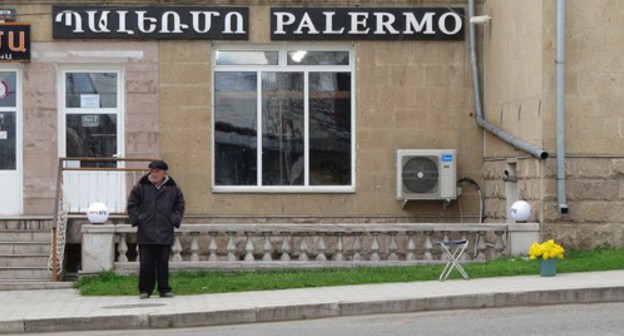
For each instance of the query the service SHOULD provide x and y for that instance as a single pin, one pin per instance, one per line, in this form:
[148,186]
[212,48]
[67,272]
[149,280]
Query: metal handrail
[59,225]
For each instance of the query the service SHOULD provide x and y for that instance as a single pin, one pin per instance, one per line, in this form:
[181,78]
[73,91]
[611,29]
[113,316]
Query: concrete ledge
[134,321]
[297,312]
[266,313]
[202,319]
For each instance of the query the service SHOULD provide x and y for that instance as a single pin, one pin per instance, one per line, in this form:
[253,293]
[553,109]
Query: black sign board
[367,24]
[183,23]
[14,42]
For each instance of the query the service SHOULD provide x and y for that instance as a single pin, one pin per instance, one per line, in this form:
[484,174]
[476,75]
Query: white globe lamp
[97,213]
[520,211]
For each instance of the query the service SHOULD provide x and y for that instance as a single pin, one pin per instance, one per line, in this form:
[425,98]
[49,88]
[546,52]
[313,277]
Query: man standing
[156,206]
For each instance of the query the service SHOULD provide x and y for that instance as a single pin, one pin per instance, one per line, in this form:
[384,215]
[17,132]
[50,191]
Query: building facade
[281,111]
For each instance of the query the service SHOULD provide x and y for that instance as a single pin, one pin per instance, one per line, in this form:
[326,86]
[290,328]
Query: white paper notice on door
[90,101]
[4,135]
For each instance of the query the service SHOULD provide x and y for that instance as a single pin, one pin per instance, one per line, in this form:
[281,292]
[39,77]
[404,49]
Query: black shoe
[166,295]
[144,295]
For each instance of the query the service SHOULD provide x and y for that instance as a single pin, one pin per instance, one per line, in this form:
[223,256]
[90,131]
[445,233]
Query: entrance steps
[25,245]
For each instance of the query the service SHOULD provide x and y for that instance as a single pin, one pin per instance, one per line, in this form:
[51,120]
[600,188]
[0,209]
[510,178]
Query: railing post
[320,247]
[249,248]
[212,246]
[266,247]
[428,248]
[374,256]
[122,248]
[357,246]
[194,247]
[411,246]
[285,246]
[339,247]
[392,248]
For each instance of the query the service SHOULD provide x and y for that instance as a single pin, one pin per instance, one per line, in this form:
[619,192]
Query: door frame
[64,111]
[19,129]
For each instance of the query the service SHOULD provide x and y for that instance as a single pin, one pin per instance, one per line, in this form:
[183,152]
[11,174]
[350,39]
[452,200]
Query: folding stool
[453,249]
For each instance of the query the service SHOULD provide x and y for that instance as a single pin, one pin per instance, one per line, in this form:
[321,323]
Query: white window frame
[64,110]
[18,194]
[283,67]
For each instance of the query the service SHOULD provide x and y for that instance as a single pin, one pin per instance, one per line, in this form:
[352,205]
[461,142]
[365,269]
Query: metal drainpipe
[516,142]
[560,61]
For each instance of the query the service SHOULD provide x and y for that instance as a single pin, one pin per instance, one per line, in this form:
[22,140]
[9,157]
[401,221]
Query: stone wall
[594,192]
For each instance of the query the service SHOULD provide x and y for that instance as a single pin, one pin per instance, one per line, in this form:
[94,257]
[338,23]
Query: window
[91,106]
[8,120]
[283,120]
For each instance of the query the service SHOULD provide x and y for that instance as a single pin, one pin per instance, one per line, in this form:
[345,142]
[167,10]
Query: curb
[314,311]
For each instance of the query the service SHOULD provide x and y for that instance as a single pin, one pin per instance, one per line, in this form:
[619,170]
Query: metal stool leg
[458,247]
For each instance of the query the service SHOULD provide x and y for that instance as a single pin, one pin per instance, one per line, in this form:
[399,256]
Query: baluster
[231,247]
[303,248]
[320,247]
[136,248]
[212,246]
[428,248]
[122,248]
[194,246]
[176,249]
[249,248]
[266,247]
[374,256]
[464,256]
[357,246]
[445,238]
[339,247]
[481,246]
[499,247]
[411,246]
[285,246]
[392,248]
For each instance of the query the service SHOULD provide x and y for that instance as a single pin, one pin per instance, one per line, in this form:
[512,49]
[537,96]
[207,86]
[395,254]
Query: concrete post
[98,248]
[521,236]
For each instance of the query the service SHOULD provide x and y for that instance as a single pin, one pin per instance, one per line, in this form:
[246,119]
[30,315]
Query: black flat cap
[158,164]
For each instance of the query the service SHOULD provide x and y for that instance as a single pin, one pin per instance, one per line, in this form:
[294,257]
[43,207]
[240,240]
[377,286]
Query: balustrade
[253,246]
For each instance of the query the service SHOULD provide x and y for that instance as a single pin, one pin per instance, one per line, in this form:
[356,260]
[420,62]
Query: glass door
[91,133]
[10,143]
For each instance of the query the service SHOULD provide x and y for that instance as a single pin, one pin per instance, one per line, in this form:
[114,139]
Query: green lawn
[187,283]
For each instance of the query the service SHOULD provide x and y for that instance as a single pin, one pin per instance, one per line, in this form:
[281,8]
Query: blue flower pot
[548,267]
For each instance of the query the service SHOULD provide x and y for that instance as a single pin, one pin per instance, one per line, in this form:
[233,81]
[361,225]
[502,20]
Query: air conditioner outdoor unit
[426,174]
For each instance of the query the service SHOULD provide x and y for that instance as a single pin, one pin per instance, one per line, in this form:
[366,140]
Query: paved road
[570,320]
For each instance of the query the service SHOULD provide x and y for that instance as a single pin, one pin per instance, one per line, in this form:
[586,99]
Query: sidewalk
[53,310]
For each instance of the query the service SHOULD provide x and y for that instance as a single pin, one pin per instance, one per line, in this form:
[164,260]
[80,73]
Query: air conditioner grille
[420,174]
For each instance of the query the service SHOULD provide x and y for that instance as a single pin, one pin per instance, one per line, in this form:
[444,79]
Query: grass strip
[205,282]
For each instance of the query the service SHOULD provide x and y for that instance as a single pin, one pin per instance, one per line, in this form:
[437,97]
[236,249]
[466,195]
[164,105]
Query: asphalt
[57,310]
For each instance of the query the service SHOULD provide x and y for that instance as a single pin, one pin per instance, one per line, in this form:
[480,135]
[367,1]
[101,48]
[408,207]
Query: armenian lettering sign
[367,24]
[14,42]
[221,23]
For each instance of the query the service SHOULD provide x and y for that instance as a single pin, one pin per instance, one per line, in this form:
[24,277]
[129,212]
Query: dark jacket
[155,211]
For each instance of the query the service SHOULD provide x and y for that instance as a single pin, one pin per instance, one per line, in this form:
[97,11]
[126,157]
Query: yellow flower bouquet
[546,250]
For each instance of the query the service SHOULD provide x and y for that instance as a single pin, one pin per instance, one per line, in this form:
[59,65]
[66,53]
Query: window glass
[91,90]
[235,122]
[246,58]
[330,128]
[283,125]
[8,84]
[303,57]
[282,128]
[91,135]
[7,141]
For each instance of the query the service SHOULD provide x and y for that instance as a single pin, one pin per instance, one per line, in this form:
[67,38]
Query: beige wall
[408,95]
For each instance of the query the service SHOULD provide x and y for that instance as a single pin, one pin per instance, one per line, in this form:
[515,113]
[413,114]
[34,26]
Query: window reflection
[246,57]
[299,109]
[7,141]
[282,128]
[103,87]
[8,89]
[235,128]
[92,135]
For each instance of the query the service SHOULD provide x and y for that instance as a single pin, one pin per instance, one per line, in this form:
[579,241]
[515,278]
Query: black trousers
[154,265]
